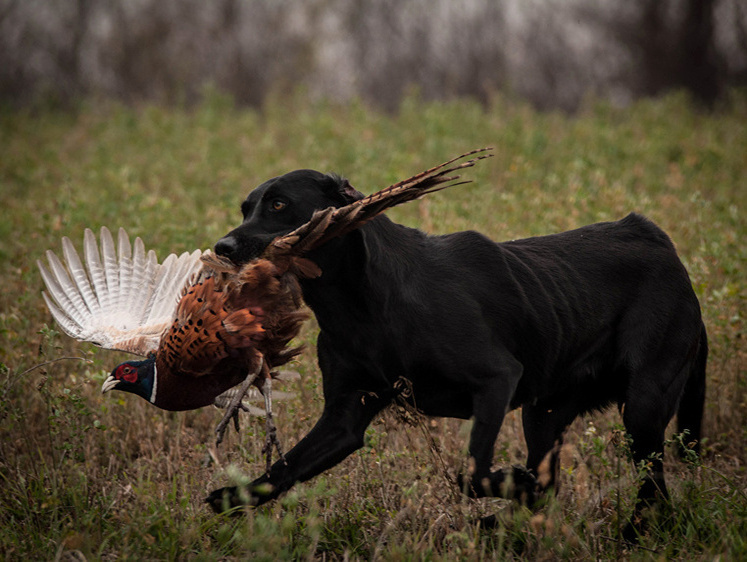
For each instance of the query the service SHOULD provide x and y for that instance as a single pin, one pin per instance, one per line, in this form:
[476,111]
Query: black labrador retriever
[558,325]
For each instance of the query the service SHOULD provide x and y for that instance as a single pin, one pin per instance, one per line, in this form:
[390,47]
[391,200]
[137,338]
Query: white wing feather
[78,274]
[111,271]
[125,265]
[122,299]
[95,270]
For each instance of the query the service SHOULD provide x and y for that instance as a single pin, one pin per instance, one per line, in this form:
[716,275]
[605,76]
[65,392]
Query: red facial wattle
[126,373]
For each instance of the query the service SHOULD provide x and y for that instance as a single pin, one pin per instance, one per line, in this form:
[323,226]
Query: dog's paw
[226,500]
[515,483]
[471,488]
[521,485]
[230,498]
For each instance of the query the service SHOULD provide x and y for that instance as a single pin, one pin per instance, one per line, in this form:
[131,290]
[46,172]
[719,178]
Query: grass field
[113,478]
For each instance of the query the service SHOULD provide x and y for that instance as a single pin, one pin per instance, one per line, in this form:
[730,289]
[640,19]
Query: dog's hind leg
[543,431]
[650,404]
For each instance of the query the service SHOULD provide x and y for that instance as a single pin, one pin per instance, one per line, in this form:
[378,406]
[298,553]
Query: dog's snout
[226,246]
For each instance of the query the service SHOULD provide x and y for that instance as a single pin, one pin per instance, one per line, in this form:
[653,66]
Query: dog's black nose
[226,246]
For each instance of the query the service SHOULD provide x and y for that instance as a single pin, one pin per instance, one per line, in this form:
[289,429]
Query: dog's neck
[339,290]
[345,288]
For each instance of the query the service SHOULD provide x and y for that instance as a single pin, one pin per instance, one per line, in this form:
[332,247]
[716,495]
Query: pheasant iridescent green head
[137,377]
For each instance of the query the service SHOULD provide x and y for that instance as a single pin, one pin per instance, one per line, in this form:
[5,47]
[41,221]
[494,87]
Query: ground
[111,477]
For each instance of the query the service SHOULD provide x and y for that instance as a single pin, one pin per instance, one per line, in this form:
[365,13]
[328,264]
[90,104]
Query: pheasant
[202,322]
[178,316]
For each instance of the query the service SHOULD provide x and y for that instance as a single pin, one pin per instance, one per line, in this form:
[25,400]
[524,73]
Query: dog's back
[580,310]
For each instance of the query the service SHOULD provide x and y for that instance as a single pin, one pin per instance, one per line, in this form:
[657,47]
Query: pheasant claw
[272,433]
[232,410]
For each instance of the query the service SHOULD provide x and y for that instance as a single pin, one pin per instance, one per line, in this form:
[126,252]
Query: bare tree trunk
[700,67]
[69,59]
[679,54]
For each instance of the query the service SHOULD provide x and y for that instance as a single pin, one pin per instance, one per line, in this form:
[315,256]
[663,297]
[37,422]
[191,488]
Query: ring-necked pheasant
[203,322]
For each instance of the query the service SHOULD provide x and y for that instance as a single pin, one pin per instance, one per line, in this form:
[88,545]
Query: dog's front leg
[337,434]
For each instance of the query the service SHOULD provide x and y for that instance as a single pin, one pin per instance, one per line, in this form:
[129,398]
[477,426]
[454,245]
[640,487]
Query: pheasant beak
[109,384]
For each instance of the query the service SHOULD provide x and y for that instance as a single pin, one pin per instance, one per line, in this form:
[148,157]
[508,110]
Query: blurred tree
[700,66]
[672,43]
[550,52]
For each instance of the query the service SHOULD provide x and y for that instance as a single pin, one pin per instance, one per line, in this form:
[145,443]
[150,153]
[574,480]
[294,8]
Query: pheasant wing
[261,293]
[122,298]
[208,330]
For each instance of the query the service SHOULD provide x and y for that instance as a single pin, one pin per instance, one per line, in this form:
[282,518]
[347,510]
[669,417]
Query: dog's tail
[690,412]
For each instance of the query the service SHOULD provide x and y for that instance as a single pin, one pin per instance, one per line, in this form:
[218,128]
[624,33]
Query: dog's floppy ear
[349,191]
[342,190]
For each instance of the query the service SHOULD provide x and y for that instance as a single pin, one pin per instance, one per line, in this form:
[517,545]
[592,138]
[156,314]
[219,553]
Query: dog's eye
[278,205]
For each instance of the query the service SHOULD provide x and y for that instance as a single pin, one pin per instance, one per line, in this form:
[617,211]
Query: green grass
[114,478]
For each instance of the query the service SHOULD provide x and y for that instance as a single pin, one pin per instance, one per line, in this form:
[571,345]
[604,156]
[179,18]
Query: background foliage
[110,477]
[552,53]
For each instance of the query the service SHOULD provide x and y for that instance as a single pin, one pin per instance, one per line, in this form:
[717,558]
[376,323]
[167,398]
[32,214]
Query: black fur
[558,325]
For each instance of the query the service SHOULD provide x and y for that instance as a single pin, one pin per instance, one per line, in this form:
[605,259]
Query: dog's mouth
[239,250]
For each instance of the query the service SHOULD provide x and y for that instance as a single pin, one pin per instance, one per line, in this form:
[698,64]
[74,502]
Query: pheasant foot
[232,410]
[271,431]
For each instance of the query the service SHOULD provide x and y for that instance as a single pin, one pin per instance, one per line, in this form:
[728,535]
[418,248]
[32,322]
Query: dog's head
[279,206]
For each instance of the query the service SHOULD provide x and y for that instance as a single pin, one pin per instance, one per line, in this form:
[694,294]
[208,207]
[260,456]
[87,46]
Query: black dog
[559,325]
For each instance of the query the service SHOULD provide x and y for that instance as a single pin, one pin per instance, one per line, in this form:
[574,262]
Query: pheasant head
[137,377]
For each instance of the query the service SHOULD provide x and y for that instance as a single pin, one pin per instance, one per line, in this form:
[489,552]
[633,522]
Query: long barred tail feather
[332,222]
